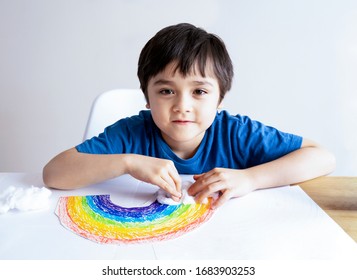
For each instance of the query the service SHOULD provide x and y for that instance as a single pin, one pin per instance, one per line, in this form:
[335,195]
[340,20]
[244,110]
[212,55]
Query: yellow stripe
[100,226]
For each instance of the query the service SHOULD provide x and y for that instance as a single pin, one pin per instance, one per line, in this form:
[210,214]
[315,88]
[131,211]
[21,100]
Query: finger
[175,178]
[162,184]
[197,176]
[209,190]
[170,185]
[221,200]
[195,188]
[201,183]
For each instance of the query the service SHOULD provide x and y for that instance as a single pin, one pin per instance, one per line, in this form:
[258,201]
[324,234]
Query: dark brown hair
[189,46]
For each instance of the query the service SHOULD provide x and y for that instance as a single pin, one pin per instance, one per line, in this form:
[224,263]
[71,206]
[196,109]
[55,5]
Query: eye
[200,92]
[166,91]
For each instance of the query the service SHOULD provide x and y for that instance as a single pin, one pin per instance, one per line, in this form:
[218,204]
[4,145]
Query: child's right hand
[156,171]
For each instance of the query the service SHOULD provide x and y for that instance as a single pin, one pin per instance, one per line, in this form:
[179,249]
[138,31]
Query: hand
[230,182]
[156,171]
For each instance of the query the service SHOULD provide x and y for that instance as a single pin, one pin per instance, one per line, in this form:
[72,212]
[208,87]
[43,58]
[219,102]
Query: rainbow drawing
[97,218]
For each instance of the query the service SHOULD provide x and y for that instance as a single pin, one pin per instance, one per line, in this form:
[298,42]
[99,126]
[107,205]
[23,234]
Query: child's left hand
[230,182]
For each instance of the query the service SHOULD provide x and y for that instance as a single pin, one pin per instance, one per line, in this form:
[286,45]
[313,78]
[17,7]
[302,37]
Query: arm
[72,169]
[308,162]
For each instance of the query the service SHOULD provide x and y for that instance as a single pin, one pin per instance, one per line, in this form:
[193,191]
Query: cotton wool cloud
[165,198]
[24,199]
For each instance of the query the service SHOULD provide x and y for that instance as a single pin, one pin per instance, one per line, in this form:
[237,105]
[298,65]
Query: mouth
[182,122]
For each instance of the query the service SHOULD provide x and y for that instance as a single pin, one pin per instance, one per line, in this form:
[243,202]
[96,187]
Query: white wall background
[295,67]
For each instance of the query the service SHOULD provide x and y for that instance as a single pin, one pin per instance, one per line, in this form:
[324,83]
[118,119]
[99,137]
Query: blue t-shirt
[230,142]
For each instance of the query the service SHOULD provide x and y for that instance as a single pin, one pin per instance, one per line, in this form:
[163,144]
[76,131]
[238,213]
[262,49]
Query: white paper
[281,223]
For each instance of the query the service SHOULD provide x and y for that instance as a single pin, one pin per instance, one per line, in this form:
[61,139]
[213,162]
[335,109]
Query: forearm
[308,162]
[71,169]
[298,166]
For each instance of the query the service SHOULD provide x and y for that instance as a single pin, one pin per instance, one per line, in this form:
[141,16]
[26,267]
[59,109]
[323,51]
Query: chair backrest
[111,106]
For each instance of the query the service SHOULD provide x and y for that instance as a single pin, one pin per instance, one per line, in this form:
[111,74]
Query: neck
[185,154]
[184,150]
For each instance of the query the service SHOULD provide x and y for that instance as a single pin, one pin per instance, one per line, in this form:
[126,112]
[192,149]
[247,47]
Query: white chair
[111,106]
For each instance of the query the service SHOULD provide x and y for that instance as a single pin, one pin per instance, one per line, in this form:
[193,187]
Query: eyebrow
[163,81]
[169,82]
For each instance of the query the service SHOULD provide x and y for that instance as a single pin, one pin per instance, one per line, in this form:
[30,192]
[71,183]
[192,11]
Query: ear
[147,106]
[220,105]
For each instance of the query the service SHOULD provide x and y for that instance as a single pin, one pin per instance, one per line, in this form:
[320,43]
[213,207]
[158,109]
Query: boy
[184,73]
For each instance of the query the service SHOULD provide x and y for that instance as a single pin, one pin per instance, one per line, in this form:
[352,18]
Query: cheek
[158,113]
[209,108]
[158,108]
[207,116]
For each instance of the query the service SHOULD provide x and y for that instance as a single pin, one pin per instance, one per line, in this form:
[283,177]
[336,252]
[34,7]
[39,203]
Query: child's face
[183,107]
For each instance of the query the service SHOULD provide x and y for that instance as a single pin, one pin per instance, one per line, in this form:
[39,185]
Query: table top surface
[337,196]
[279,223]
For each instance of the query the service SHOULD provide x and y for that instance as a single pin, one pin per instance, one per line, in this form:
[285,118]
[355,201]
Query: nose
[183,103]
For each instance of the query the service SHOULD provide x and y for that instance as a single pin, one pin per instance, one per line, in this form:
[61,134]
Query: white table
[280,223]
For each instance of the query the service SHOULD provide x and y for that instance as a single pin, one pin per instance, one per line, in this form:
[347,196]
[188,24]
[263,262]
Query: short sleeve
[108,142]
[128,135]
[259,143]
